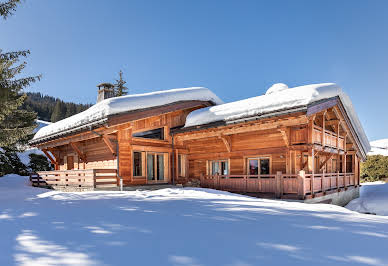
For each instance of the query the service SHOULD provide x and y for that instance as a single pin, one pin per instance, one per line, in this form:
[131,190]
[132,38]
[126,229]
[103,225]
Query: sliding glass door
[156,167]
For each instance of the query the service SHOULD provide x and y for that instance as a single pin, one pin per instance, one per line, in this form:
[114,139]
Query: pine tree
[16,125]
[59,111]
[119,88]
[8,7]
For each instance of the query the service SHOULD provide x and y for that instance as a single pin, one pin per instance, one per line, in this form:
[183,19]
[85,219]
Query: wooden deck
[281,185]
[93,178]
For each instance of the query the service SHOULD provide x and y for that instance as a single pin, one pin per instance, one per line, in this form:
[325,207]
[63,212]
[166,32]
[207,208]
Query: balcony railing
[299,185]
[330,139]
[93,178]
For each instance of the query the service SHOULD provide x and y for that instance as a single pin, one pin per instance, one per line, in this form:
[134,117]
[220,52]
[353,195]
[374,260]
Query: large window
[155,166]
[220,167]
[258,166]
[151,134]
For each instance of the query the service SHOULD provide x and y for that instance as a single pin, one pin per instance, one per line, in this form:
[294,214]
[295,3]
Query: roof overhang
[121,118]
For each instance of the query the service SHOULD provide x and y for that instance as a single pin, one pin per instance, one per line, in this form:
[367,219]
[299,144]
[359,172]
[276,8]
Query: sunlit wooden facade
[298,154]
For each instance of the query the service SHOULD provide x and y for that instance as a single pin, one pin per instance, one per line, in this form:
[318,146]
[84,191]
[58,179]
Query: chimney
[105,91]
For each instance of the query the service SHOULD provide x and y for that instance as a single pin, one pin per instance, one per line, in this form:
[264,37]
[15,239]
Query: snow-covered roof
[278,97]
[379,147]
[127,103]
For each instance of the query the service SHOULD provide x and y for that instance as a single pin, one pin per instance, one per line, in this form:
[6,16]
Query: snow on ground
[379,147]
[277,98]
[373,199]
[180,226]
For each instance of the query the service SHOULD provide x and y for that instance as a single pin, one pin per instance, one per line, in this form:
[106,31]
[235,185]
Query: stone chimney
[105,91]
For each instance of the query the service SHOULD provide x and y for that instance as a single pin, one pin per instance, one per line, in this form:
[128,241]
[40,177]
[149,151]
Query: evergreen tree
[39,162]
[59,111]
[16,125]
[8,7]
[119,88]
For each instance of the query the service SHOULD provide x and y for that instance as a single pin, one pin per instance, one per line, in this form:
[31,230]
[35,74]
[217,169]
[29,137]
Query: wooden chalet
[304,149]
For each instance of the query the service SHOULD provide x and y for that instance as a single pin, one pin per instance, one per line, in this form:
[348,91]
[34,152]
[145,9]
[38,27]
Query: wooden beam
[78,151]
[49,156]
[227,141]
[238,128]
[323,136]
[285,136]
[325,161]
[109,144]
[332,122]
[76,138]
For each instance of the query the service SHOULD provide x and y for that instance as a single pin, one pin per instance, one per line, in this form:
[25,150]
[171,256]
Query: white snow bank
[373,199]
[379,147]
[180,226]
[25,156]
[128,103]
[278,98]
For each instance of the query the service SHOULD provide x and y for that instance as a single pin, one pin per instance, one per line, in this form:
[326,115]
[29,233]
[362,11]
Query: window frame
[258,158]
[209,166]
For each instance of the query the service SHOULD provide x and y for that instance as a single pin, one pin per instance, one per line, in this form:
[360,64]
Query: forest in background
[51,109]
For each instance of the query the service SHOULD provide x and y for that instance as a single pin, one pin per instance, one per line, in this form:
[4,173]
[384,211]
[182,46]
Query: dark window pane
[179,164]
[160,165]
[264,166]
[253,167]
[137,164]
[224,168]
[151,134]
[150,166]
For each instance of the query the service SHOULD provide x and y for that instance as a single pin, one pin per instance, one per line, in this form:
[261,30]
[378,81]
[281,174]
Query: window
[181,165]
[220,167]
[137,164]
[151,134]
[258,166]
[156,166]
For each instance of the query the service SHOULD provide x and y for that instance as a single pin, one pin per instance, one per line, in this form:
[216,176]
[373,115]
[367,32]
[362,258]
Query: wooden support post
[323,137]
[52,160]
[311,130]
[301,184]
[278,184]
[312,171]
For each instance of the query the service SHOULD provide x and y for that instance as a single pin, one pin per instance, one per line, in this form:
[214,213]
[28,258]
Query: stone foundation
[338,198]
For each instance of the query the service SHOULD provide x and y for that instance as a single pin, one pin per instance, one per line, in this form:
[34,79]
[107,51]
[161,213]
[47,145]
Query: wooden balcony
[330,139]
[86,179]
[281,185]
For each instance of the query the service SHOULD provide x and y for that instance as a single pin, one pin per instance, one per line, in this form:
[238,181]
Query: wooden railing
[93,178]
[280,184]
[330,138]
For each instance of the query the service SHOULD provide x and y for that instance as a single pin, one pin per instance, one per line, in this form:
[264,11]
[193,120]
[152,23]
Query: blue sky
[236,48]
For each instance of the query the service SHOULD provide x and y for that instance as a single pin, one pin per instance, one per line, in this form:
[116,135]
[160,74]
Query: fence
[280,184]
[93,178]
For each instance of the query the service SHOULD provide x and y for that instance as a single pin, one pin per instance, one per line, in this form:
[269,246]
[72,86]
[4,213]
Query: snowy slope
[180,227]
[379,147]
[128,103]
[373,199]
[278,97]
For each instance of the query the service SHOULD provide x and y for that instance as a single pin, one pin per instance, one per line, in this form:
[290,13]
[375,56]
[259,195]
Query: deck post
[278,184]
[312,171]
[301,184]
